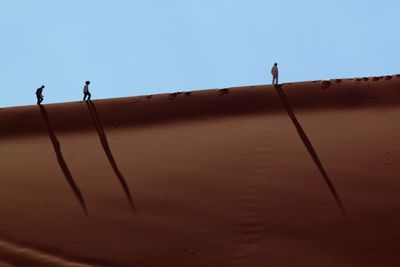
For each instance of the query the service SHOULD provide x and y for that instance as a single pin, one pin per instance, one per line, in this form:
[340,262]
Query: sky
[132,47]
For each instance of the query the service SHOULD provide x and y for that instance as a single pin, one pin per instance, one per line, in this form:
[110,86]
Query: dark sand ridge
[19,255]
[136,111]
[218,178]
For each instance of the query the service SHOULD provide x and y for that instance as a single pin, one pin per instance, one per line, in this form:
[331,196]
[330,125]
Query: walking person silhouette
[39,94]
[275,74]
[86,92]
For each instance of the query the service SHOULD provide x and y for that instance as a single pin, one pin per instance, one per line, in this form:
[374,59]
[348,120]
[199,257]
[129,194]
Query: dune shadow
[103,140]
[310,148]
[60,159]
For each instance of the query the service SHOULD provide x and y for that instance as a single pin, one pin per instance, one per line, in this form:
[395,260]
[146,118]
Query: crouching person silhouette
[39,94]
[275,74]
[86,93]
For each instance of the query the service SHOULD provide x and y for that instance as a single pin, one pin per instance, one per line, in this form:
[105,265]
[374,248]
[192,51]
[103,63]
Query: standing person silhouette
[39,94]
[86,92]
[275,74]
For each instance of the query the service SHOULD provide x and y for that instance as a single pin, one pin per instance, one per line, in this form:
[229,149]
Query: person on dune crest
[275,74]
[86,92]
[39,94]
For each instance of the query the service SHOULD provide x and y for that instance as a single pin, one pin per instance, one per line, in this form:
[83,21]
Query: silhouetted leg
[89,96]
[39,99]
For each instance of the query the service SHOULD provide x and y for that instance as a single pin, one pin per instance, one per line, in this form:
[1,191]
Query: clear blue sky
[132,47]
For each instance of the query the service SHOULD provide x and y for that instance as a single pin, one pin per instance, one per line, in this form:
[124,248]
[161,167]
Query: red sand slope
[216,178]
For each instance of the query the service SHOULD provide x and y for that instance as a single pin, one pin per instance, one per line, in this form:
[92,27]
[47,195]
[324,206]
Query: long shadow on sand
[310,148]
[103,139]
[60,158]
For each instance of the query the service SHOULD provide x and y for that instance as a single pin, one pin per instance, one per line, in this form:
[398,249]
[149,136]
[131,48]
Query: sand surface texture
[220,177]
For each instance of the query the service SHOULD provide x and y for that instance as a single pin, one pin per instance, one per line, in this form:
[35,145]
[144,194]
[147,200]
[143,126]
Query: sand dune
[24,256]
[224,177]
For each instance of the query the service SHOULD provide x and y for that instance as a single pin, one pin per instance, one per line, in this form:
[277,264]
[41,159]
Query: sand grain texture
[217,178]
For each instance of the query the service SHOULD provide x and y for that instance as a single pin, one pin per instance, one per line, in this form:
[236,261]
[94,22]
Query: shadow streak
[103,140]
[310,148]
[60,158]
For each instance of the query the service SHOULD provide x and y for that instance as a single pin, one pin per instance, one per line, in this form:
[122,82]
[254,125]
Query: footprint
[388,77]
[375,79]
[365,79]
[358,79]
[222,92]
[173,96]
[186,94]
[338,80]
[149,96]
[325,84]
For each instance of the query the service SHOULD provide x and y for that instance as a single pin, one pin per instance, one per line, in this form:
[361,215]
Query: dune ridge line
[142,111]
[16,255]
